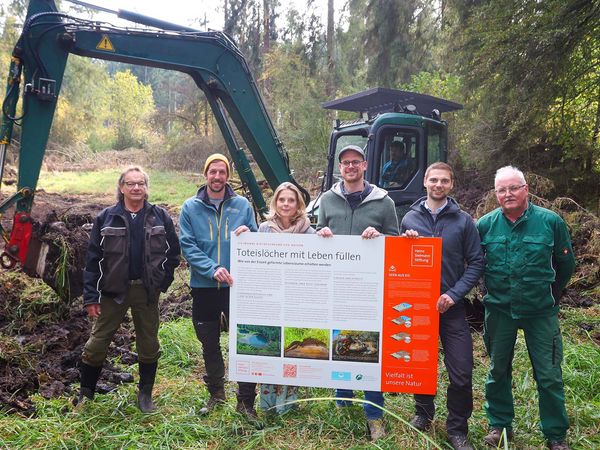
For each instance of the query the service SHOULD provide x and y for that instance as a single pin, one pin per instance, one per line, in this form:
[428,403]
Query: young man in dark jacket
[438,215]
[131,258]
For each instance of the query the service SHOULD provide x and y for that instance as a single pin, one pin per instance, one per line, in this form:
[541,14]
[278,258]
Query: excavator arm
[210,58]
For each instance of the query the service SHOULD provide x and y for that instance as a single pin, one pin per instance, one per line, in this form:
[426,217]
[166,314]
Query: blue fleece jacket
[204,233]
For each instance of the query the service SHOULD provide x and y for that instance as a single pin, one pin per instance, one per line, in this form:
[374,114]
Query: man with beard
[205,224]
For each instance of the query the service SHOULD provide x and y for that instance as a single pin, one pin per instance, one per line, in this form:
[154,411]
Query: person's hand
[93,310]
[325,232]
[444,303]
[370,233]
[410,234]
[222,276]
[241,229]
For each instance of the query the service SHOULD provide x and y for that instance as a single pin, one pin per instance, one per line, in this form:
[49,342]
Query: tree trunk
[266,27]
[266,43]
[330,90]
[595,135]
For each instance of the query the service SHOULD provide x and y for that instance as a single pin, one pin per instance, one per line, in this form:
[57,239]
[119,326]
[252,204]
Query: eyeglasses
[353,163]
[132,184]
[509,189]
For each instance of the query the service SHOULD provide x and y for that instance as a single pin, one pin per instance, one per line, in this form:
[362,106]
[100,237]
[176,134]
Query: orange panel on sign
[409,351]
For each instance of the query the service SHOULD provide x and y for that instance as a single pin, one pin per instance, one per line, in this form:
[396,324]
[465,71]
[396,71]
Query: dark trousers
[207,306]
[458,360]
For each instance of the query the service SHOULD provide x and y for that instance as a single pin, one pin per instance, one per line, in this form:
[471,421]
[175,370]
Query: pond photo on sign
[258,340]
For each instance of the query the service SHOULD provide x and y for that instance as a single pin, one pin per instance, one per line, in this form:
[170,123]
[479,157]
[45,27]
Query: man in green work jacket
[529,260]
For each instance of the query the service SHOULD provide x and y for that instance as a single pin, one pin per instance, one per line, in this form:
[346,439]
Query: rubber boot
[89,378]
[144,396]
[208,334]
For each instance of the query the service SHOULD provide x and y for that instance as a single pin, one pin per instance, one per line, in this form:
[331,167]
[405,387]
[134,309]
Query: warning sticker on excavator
[105,44]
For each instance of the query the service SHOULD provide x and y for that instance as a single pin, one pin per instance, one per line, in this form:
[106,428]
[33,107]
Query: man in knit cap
[205,224]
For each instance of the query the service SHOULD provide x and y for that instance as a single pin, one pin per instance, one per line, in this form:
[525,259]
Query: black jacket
[107,265]
[462,256]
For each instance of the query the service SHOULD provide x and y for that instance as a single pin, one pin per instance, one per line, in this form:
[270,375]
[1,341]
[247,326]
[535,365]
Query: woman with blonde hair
[287,214]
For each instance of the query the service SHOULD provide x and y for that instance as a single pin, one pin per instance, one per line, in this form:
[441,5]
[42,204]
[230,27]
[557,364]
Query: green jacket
[377,210]
[528,263]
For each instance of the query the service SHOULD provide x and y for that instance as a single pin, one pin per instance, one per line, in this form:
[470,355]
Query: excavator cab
[401,132]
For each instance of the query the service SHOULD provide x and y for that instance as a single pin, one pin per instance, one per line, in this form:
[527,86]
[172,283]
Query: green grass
[167,187]
[113,421]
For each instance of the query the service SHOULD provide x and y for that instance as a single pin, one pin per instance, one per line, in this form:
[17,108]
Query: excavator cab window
[341,142]
[398,162]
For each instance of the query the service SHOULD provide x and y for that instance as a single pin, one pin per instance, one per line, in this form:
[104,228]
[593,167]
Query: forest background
[527,73]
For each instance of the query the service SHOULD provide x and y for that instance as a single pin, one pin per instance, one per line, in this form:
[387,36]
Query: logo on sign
[340,376]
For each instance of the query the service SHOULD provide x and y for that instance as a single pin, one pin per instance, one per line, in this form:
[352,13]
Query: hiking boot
[421,423]
[376,429]
[216,399]
[460,442]
[497,436]
[247,410]
[558,445]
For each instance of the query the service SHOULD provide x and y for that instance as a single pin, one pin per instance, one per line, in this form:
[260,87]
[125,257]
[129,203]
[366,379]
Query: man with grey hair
[529,261]
[131,258]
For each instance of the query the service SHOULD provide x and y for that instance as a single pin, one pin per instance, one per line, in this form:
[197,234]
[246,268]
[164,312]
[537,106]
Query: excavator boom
[210,58]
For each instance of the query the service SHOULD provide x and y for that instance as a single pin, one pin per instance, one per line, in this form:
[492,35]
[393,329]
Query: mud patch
[41,340]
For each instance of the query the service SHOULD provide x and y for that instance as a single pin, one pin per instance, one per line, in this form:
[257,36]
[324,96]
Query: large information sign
[340,312]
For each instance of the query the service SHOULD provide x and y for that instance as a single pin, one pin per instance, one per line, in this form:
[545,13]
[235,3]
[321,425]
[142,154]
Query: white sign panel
[306,310]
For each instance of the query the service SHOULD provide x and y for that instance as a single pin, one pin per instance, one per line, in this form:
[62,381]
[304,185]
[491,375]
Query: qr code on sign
[290,371]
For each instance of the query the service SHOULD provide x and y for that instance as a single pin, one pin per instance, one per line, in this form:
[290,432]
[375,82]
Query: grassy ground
[113,421]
